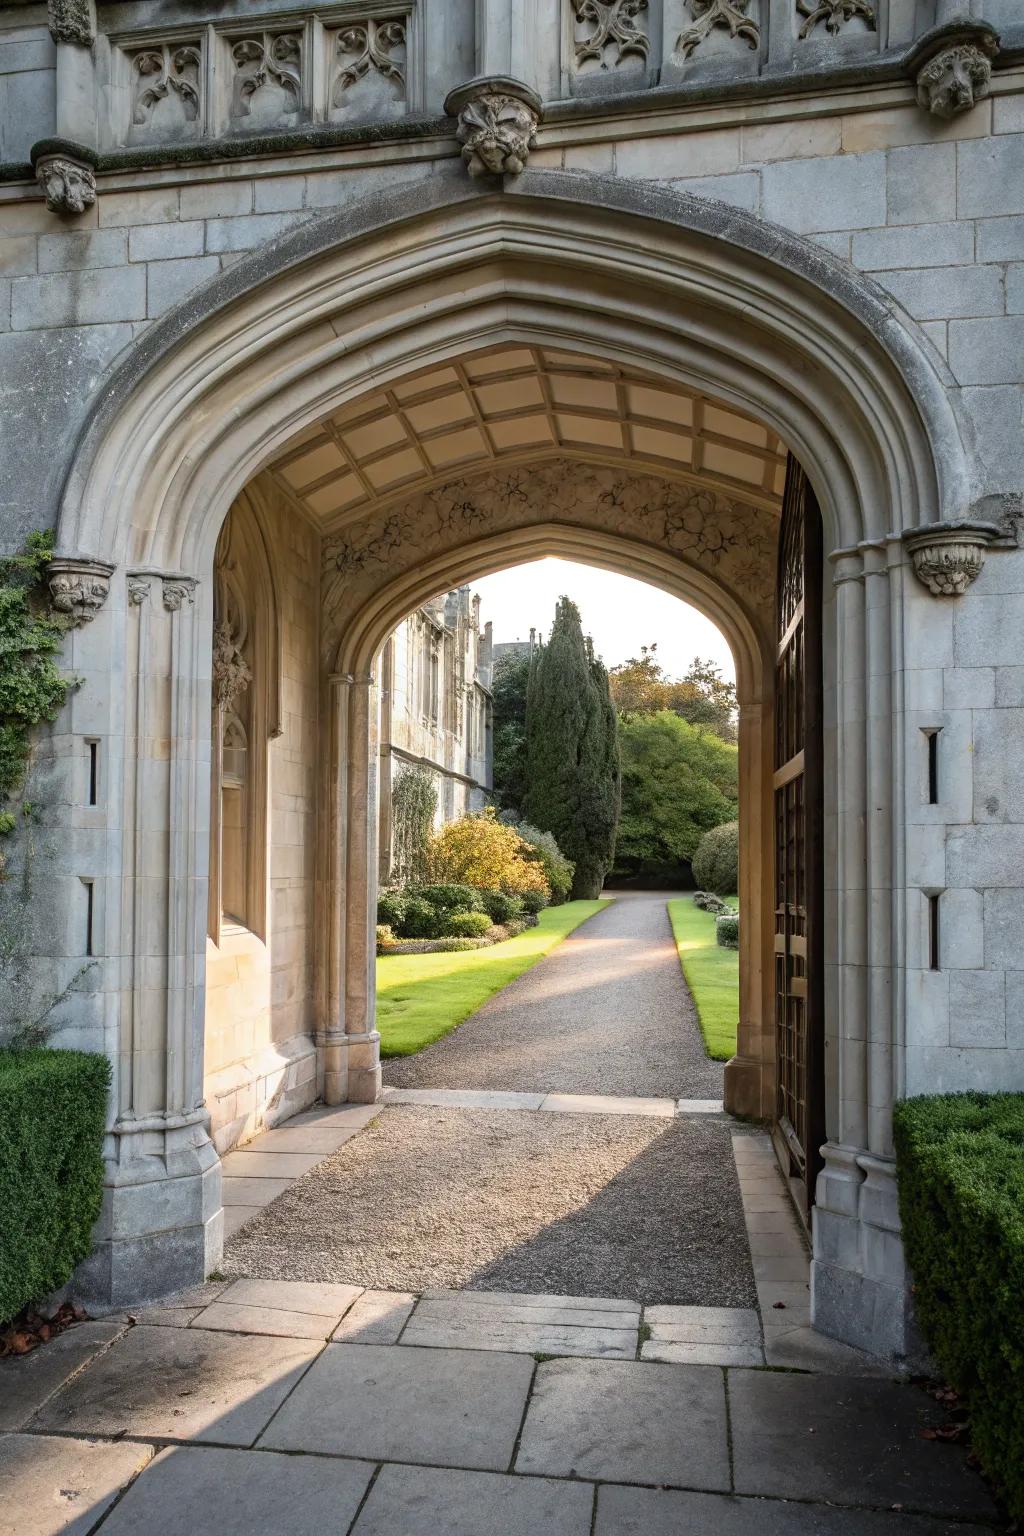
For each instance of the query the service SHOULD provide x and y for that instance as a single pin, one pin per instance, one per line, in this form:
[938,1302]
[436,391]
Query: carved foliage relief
[368,66]
[610,32]
[267,84]
[712,16]
[703,528]
[166,82]
[834,14]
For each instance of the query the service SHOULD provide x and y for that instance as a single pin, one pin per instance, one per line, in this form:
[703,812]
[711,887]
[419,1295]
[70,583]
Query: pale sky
[620,613]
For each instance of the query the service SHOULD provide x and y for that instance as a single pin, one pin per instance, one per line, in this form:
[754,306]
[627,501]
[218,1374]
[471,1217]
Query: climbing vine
[32,688]
[413,806]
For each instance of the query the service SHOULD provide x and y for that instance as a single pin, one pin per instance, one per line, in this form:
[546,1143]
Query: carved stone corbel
[72,21]
[78,587]
[948,556]
[952,66]
[498,122]
[66,171]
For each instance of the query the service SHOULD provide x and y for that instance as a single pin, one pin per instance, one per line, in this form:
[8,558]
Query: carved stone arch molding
[681,287]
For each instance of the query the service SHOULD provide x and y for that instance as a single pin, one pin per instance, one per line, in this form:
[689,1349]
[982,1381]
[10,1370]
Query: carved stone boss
[72,21]
[498,122]
[66,173]
[78,587]
[948,556]
[952,66]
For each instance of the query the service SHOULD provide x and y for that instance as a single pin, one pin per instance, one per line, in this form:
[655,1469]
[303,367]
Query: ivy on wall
[32,688]
[413,806]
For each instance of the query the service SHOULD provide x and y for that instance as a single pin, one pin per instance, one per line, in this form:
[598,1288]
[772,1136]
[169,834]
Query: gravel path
[607,1012]
[584,1205]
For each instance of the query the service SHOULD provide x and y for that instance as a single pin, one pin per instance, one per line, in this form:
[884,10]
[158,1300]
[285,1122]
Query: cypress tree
[573,751]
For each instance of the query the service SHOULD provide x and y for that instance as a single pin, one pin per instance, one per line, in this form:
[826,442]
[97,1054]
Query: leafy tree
[510,684]
[703,697]
[573,751]
[678,782]
[716,864]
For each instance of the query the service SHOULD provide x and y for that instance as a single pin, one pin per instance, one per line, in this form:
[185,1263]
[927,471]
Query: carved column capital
[78,586]
[952,66]
[178,590]
[72,21]
[498,122]
[66,172]
[948,556]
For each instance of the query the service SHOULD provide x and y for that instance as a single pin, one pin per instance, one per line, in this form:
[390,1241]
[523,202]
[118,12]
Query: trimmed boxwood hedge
[53,1107]
[960,1163]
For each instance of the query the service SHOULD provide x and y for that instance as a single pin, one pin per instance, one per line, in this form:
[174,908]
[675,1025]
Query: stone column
[858,1282]
[349,1039]
[162,1225]
[750,1075]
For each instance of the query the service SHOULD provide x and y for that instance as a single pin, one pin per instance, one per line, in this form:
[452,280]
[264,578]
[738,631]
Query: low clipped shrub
[466,925]
[480,851]
[420,920]
[700,899]
[385,938]
[500,907]
[53,1107]
[727,931]
[716,864]
[449,898]
[534,902]
[391,909]
[960,1171]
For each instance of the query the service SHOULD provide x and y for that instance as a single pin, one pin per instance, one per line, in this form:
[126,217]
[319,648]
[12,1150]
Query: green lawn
[422,997]
[712,975]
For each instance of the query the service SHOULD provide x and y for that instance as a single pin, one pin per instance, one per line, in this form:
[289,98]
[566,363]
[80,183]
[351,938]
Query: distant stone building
[435,709]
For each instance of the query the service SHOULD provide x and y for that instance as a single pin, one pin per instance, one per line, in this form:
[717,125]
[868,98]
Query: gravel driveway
[607,1012]
[502,1200]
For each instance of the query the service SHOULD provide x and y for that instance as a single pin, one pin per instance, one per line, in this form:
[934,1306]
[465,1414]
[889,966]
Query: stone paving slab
[848,1441]
[378,1317]
[269,1165]
[703,1336]
[426,1406]
[412,1502]
[627,1421]
[353,1116]
[535,1299]
[457,1313]
[26,1383]
[214,1492]
[58,1486]
[802,1349]
[528,1339]
[274,1322]
[707,1352]
[606,1104]
[181,1384]
[323,1298]
[238,1191]
[700,1106]
[312,1140]
[664,1512]
[167,1317]
[236,1216]
[463,1098]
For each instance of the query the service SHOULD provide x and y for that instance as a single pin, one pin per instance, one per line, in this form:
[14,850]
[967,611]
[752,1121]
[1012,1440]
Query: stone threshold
[556,1103]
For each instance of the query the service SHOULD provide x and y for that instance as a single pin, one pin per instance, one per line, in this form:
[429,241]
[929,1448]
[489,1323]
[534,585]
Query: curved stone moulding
[948,557]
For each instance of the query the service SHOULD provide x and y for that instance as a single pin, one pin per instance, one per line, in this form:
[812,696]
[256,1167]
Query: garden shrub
[391,909]
[543,849]
[53,1108]
[534,902]
[500,907]
[385,938]
[960,1168]
[727,931]
[479,850]
[717,860]
[449,898]
[466,925]
[420,920]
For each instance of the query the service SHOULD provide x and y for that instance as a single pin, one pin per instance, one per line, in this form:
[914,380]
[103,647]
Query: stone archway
[694,294]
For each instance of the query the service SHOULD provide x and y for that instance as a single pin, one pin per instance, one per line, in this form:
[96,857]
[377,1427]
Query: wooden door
[799,1001]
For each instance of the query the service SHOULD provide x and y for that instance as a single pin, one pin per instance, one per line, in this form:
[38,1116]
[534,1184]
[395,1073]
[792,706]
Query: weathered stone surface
[866,1445]
[182,1384]
[584,1418]
[215,1492]
[26,1383]
[663,1512]
[432,1502]
[413,1405]
[378,1317]
[58,1486]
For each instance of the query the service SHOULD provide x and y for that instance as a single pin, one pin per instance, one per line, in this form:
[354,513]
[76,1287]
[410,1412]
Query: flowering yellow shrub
[481,851]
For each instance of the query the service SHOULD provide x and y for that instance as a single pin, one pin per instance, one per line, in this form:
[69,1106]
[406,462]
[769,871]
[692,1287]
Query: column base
[351,1068]
[743,1087]
[161,1227]
[860,1287]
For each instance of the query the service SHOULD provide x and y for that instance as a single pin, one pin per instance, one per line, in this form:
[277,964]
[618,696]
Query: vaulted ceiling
[521,403]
